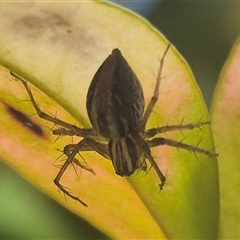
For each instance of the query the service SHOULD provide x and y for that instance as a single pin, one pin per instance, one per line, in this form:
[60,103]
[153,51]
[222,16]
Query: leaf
[59,47]
[225,121]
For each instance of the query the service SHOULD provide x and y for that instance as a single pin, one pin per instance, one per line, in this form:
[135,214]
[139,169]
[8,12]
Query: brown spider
[115,107]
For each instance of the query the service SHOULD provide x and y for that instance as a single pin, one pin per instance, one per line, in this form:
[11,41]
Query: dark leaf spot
[25,121]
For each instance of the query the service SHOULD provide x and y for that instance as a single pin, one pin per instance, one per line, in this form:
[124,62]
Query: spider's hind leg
[47,117]
[154,98]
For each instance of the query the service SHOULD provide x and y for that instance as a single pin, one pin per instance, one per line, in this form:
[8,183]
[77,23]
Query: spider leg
[172,143]
[91,145]
[89,132]
[81,132]
[86,144]
[147,152]
[154,131]
[68,150]
[155,95]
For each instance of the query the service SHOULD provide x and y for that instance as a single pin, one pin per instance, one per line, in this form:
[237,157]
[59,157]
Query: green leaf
[226,125]
[58,47]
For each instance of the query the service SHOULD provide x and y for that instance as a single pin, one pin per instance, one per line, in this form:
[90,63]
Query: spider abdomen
[115,101]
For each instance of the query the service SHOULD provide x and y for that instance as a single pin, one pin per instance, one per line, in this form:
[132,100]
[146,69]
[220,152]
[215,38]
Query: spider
[115,107]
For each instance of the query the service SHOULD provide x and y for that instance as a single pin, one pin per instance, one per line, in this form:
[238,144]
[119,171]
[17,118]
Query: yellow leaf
[58,47]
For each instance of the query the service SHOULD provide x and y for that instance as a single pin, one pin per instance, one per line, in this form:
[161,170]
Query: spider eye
[115,100]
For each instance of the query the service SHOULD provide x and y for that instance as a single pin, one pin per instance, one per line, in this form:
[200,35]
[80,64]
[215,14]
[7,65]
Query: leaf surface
[58,47]
[226,125]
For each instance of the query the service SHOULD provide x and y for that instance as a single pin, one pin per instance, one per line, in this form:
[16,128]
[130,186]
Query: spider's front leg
[71,150]
[145,148]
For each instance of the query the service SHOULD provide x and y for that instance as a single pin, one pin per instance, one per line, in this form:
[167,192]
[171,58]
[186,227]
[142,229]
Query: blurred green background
[204,33]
